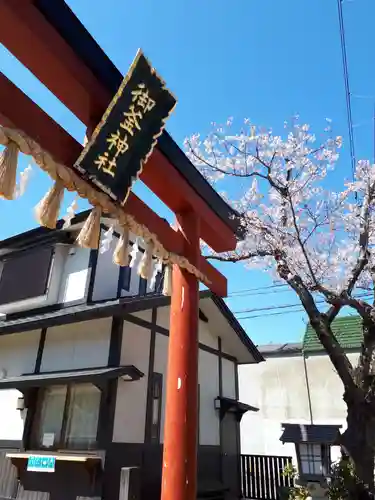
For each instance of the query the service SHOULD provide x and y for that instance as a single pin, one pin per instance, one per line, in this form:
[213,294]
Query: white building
[83,361]
[296,385]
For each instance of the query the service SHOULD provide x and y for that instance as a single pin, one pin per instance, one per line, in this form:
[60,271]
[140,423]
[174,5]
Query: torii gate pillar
[179,480]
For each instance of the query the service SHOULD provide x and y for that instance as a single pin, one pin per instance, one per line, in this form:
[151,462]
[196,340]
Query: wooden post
[179,481]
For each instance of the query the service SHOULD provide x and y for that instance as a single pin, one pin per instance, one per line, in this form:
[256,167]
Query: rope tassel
[47,210]
[89,234]
[167,283]
[145,266]
[121,253]
[8,170]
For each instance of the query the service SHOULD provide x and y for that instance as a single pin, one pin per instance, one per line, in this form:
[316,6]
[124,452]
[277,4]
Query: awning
[94,376]
[303,433]
[232,405]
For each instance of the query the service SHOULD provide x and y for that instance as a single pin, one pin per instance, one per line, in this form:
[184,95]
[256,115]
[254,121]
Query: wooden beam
[57,66]
[20,111]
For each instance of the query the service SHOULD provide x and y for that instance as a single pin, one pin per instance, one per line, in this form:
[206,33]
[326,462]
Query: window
[157,392]
[67,417]
[142,286]
[35,264]
[124,279]
[314,459]
[159,282]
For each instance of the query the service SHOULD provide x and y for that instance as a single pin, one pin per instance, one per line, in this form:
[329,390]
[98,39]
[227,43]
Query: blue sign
[41,463]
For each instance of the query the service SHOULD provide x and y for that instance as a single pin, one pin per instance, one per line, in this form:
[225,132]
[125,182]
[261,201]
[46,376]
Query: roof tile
[348,331]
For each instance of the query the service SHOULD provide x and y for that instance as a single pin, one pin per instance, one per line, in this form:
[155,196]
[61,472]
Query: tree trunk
[359,442]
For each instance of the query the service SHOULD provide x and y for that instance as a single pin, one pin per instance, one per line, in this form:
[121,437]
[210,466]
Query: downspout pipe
[307,387]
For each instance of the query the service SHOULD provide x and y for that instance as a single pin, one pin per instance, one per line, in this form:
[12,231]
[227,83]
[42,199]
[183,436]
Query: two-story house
[83,366]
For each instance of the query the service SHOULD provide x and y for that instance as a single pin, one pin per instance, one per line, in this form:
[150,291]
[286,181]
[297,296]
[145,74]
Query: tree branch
[320,324]
[240,258]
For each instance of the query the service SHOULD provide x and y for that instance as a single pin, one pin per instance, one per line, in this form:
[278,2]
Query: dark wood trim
[156,381]
[202,316]
[238,428]
[31,396]
[163,331]
[11,444]
[151,364]
[93,262]
[220,371]
[39,356]
[114,354]
[107,408]
[121,279]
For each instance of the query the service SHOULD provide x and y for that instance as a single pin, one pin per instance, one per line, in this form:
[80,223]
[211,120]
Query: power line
[272,314]
[347,87]
[290,306]
[254,291]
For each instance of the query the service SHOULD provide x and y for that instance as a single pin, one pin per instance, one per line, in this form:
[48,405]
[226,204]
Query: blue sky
[262,59]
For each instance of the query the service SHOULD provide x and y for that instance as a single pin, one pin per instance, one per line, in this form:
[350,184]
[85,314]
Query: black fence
[262,476]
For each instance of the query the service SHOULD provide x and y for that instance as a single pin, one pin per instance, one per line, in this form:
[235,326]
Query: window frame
[125,277]
[325,460]
[61,444]
[142,285]
[156,381]
[29,252]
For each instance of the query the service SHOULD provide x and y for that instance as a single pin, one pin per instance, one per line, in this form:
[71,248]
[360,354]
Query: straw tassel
[8,170]
[47,210]
[89,234]
[121,253]
[134,254]
[167,283]
[145,266]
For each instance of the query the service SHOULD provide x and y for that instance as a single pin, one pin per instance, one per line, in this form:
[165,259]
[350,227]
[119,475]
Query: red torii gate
[52,43]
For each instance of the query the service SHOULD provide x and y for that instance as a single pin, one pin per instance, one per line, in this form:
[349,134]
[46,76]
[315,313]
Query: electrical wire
[346,83]
[290,306]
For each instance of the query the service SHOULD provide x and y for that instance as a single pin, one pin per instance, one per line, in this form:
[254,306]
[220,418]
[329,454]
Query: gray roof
[87,375]
[279,349]
[304,433]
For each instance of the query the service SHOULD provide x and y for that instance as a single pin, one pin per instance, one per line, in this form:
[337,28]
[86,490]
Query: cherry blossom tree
[318,241]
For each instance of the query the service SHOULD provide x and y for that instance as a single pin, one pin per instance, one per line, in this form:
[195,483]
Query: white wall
[208,378]
[75,275]
[18,354]
[130,415]
[229,381]
[209,424]
[160,366]
[209,390]
[277,387]
[206,336]
[106,275]
[78,345]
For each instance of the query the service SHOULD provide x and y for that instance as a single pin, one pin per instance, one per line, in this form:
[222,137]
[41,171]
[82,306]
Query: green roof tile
[348,331]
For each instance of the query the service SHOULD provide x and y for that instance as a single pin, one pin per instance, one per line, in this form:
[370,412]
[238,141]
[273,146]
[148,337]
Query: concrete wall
[279,389]
[17,356]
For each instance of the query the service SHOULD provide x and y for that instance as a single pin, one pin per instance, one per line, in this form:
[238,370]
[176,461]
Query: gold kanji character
[118,142]
[132,119]
[106,164]
[142,98]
